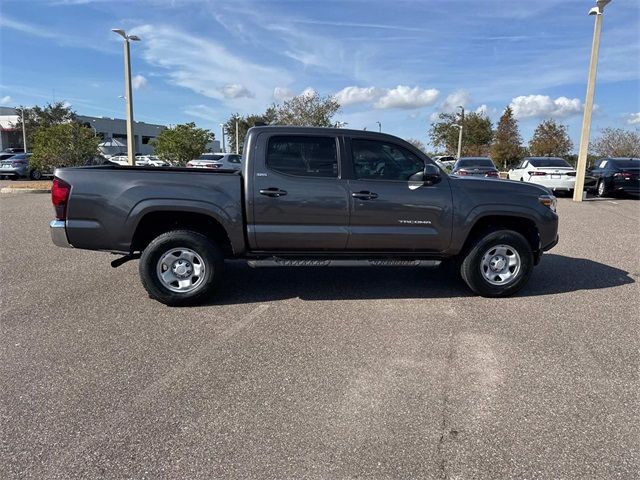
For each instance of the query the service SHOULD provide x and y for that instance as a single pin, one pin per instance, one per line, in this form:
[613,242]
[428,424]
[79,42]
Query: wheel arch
[154,223]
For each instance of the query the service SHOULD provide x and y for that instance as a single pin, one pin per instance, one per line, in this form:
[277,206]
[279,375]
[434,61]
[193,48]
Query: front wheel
[499,264]
[180,267]
[602,190]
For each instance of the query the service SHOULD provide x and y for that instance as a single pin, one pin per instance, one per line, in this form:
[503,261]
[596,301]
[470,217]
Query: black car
[610,176]
[475,166]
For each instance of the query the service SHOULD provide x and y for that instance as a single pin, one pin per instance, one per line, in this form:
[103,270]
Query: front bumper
[58,229]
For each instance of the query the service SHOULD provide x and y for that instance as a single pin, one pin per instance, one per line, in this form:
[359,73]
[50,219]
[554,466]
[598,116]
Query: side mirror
[431,174]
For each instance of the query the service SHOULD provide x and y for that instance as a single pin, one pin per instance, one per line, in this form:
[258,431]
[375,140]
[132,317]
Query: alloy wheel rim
[500,265]
[181,270]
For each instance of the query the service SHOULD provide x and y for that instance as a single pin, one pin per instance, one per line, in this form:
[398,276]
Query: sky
[396,62]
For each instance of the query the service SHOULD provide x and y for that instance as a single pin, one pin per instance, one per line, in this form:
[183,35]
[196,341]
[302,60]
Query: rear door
[300,201]
[390,209]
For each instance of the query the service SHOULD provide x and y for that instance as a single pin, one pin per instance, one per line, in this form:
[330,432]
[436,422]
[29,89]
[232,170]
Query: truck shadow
[555,274]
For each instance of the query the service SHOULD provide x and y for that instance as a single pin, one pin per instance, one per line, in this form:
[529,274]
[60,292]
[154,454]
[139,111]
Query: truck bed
[108,202]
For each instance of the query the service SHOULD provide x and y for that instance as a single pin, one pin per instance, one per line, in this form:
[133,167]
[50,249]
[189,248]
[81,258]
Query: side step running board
[372,262]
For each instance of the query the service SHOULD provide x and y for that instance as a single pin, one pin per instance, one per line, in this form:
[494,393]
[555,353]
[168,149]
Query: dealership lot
[321,373]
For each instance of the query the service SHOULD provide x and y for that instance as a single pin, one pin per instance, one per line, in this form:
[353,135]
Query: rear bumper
[564,184]
[58,229]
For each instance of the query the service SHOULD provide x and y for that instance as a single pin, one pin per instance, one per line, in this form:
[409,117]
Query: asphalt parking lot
[321,373]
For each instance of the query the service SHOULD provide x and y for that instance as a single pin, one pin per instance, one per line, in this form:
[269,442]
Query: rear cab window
[303,156]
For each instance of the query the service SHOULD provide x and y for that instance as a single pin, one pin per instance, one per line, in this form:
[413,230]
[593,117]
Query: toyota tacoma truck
[311,197]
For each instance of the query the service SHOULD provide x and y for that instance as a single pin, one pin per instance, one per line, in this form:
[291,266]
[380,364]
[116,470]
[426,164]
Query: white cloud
[5,100]
[281,94]
[235,90]
[526,106]
[633,118]
[401,96]
[354,95]
[310,92]
[138,82]
[206,67]
[455,99]
[406,97]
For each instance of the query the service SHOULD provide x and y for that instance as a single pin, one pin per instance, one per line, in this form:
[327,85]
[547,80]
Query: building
[112,132]
[10,137]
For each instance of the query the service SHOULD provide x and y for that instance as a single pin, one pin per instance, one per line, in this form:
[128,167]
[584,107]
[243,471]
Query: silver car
[16,166]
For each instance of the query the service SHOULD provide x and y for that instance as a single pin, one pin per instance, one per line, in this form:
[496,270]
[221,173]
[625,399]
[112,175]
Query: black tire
[210,254]
[35,174]
[471,268]
[601,188]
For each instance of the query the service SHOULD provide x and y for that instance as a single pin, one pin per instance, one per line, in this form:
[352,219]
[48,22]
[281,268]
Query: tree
[477,133]
[306,110]
[418,144]
[550,139]
[616,142]
[244,124]
[507,145]
[182,143]
[37,117]
[66,144]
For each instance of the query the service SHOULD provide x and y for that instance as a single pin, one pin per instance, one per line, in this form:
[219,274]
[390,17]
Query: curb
[24,190]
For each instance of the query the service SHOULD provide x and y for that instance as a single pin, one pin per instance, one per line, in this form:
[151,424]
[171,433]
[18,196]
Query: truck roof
[322,130]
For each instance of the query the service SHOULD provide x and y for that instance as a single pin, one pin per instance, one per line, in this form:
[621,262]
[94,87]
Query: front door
[299,200]
[391,208]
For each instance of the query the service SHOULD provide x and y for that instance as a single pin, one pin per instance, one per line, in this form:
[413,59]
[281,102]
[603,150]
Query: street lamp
[127,90]
[459,127]
[379,126]
[24,129]
[598,10]
[221,125]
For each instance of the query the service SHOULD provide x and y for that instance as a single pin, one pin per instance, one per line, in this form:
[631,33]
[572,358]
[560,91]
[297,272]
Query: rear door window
[303,156]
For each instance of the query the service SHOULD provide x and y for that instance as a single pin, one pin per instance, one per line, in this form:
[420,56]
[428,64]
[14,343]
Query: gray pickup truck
[305,197]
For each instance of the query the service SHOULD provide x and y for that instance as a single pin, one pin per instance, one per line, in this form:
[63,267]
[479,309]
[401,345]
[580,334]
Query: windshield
[549,162]
[631,163]
[210,157]
[475,162]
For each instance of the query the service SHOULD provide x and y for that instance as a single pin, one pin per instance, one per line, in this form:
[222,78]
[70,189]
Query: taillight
[537,174]
[462,172]
[59,196]
[17,163]
[571,174]
[189,165]
[492,174]
[622,175]
[212,165]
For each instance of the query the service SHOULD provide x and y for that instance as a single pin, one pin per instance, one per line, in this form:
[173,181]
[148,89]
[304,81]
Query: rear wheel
[180,267]
[499,264]
[35,175]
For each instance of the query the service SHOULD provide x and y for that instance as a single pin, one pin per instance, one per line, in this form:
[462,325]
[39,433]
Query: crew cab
[310,197]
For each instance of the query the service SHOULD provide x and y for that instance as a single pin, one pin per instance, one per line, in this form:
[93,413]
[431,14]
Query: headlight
[548,201]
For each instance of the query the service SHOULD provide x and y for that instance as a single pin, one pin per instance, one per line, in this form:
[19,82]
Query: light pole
[598,10]
[127,90]
[379,126]
[237,149]
[221,125]
[460,132]
[24,129]
[459,127]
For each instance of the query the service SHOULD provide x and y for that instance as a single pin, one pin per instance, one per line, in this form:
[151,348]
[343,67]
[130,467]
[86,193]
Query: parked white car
[226,161]
[150,161]
[554,173]
[119,159]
